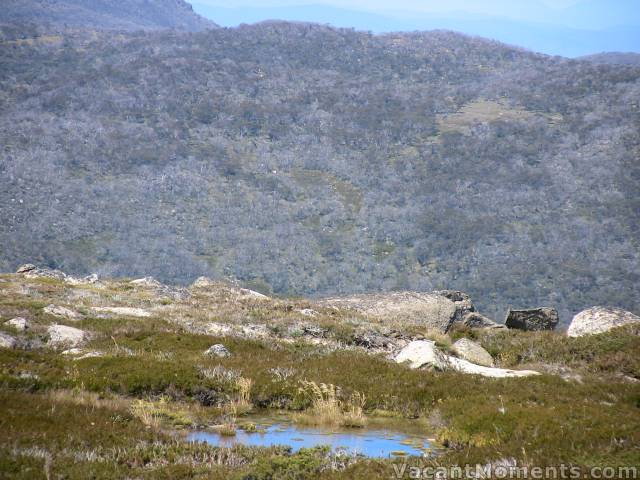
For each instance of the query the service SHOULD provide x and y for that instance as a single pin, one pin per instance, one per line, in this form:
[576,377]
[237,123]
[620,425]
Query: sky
[555,27]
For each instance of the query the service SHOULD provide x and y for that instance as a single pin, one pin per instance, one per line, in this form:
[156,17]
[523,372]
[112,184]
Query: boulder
[62,312]
[7,341]
[532,320]
[420,353]
[472,352]
[477,320]
[27,267]
[64,336]
[218,350]
[31,271]
[429,310]
[599,320]
[19,323]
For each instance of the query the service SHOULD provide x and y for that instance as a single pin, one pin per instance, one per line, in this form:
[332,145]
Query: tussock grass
[327,408]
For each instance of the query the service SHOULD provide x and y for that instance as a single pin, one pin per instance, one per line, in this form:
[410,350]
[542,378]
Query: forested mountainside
[302,159]
[614,58]
[104,14]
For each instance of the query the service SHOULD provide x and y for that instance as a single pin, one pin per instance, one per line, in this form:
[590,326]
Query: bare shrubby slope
[303,159]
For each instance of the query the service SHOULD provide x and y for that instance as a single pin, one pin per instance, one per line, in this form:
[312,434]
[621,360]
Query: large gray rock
[7,341]
[532,320]
[64,336]
[599,320]
[471,351]
[477,320]
[429,310]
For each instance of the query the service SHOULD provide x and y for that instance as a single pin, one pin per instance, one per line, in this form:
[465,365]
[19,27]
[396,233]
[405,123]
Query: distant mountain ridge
[571,34]
[105,14]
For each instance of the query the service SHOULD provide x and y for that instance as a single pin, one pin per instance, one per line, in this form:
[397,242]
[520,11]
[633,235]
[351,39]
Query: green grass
[590,419]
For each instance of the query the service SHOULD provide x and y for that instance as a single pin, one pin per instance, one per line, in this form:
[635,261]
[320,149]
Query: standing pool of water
[371,442]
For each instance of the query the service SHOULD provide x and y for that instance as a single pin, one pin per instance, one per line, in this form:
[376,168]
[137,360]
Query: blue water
[371,443]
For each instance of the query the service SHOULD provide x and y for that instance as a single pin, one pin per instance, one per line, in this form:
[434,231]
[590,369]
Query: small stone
[218,350]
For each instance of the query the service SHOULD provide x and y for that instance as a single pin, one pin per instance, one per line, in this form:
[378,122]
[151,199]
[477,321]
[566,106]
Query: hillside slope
[105,14]
[302,159]
[614,58]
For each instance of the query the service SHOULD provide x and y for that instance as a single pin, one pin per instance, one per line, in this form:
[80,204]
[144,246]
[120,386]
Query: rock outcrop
[424,353]
[64,336]
[532,320]
[122,311]
[599,320]
[429,310]
[464,366]
[472,352]
[461,300]
[63,312]
[29,270]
